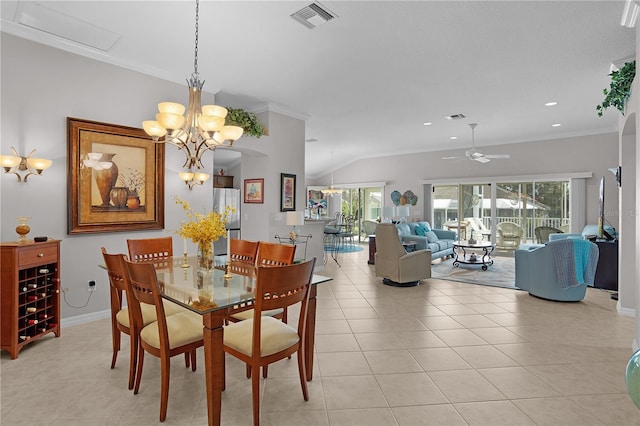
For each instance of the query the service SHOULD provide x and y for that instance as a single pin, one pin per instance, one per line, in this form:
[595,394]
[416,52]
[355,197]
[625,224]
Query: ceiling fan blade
[451,158]
[498,156]
[481,159]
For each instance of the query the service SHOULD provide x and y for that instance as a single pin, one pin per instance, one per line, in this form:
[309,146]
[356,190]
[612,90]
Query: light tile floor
[442,353]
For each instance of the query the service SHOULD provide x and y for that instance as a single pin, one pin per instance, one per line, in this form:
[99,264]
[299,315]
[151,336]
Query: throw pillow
[426,225]
[421,229]
[431,236]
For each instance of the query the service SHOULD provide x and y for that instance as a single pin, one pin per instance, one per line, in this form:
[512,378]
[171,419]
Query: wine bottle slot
[31,322]
[32,285]
[32,298]
[43,316]
[31,309]
[24,337]
[44,271]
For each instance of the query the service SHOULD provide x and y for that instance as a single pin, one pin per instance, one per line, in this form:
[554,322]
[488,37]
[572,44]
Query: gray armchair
[394,264]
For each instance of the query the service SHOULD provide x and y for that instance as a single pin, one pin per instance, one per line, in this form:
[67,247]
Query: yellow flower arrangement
[202,229]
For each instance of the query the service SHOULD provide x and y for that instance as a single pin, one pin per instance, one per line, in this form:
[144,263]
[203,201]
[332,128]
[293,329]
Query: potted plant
[620,88]
[244,119]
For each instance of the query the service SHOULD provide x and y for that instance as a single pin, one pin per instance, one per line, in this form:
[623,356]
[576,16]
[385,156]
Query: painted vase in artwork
[133,202]
[119,196]
[106,179]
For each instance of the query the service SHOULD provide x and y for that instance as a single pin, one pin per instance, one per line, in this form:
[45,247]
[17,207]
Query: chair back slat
[116,273]
[243,250]
[150,249]
[145,289]
[273,254]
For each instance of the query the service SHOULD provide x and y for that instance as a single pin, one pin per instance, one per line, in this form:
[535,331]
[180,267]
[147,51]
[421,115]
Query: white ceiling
[368,80]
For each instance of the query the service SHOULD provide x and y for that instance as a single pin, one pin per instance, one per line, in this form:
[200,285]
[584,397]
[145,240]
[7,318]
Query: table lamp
[403,213]
[388,213]
[294,219]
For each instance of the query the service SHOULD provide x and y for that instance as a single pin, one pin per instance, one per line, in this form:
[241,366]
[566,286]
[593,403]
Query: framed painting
[115,178]
[254,191]
[287,192]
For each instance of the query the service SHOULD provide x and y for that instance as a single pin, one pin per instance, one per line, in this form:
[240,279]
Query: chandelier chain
[195,60]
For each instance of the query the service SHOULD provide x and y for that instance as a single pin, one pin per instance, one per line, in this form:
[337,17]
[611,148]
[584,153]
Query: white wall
[42,86]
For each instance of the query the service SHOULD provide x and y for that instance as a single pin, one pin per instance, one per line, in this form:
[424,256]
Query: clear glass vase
[23,228]
[205,255]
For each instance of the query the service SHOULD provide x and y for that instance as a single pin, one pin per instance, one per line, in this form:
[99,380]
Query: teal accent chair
[538,273]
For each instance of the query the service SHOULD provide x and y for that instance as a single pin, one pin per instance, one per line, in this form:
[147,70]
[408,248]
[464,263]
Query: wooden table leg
[214,363]
[311,332]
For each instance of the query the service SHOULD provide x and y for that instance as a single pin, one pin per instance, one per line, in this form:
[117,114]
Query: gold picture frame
[115,178]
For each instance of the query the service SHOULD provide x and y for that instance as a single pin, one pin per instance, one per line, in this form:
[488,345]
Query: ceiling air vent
[455,117]
[313,15]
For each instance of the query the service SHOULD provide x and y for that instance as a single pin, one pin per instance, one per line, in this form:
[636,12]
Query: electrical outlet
[92,286]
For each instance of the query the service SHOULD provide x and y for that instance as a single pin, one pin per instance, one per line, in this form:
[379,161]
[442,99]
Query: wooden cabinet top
[222,181]
[29,244]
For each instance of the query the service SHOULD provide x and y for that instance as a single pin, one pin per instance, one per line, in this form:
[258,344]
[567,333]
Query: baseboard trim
[627,312]
[85,318]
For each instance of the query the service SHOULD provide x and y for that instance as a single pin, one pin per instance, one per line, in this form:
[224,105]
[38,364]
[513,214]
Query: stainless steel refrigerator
[223,197]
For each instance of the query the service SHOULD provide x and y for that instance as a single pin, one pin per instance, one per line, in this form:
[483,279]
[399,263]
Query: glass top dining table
[212,294]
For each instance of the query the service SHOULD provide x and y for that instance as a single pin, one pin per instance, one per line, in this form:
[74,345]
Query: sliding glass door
[530,209]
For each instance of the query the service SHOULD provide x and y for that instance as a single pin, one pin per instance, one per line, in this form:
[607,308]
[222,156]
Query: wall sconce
[192,179]
[16,163]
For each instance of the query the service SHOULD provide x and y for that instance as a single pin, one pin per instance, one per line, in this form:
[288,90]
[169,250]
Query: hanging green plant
[620,88]
[244,119]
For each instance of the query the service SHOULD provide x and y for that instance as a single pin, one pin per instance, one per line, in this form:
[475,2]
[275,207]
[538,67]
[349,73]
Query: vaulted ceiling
[367,80]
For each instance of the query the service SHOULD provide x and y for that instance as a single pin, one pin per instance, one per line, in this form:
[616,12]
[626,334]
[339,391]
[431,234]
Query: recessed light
[552,103]
[428,123]
[453,138]
[556,125]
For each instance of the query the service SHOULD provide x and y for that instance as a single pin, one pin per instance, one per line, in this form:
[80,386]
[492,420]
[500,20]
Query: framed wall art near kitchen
[287,192]
[115,178]
[254,191]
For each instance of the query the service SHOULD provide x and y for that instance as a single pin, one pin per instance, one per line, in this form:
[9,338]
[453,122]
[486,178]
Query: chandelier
[201,129]
[331,190]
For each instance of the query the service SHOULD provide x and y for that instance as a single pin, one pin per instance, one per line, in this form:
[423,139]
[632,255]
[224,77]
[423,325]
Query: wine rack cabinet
[29,293]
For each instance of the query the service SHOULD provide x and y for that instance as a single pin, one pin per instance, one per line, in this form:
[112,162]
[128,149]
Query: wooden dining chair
[148,249]
[263,340]
[243,250]
[269,254]
[275,254]
[121,317]
[168,336]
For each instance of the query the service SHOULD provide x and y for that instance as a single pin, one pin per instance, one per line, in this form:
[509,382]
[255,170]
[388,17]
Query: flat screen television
[602,233]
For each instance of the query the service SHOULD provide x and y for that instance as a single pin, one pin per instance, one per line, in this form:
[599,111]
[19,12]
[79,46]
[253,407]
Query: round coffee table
[472,258]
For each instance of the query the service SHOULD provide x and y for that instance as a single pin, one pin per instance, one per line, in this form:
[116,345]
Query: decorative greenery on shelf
[620,88]
[246,120]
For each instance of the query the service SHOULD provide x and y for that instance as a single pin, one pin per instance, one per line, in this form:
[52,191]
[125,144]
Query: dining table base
[213,334]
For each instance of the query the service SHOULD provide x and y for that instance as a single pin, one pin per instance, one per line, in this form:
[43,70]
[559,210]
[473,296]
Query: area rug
[345,248]
[500,274]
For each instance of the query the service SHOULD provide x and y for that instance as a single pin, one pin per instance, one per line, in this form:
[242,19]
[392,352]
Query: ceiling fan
[474,154]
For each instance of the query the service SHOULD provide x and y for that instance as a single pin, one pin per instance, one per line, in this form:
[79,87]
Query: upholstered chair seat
[183,328]
[275,336]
